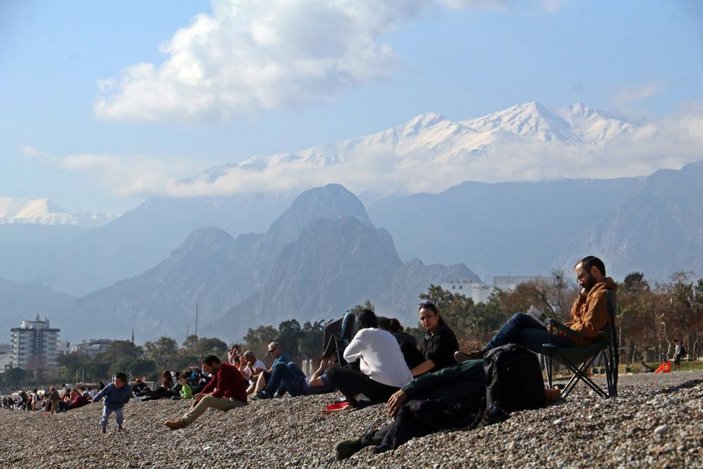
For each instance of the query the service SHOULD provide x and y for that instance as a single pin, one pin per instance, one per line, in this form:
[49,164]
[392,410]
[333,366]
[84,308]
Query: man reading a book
[589,314]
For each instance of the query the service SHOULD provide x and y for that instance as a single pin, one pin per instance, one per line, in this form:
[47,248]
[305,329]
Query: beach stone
[293,432]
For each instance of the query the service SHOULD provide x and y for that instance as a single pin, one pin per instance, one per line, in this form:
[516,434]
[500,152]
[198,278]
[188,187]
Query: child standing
[116,395]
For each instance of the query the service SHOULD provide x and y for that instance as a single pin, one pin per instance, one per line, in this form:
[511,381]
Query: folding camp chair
[579,359]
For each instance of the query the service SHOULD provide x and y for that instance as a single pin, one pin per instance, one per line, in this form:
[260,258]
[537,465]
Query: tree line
[650,317]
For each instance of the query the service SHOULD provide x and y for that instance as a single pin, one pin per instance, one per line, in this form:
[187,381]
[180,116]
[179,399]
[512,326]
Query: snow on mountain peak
[431,139]
[528,120]
[422,121]
[45,212]
[592,126]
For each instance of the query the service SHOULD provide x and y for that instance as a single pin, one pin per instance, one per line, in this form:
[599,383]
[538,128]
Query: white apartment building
[35,345]
[480,293]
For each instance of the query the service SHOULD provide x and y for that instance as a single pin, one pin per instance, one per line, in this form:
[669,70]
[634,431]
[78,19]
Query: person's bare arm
[422,368]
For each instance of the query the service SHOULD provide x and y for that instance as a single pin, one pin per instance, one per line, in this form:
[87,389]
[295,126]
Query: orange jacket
[589,314]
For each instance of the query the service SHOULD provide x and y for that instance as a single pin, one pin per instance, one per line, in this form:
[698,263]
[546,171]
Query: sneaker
[346,448]
[103,429]
[175,424]
[120,429]
[262,395]
[461,357]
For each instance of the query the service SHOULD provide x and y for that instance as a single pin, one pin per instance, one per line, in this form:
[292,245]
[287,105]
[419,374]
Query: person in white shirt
[382,367]
[250,366]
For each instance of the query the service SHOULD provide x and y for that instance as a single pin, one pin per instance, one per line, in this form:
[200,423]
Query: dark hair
[366,318]
[592,261]
[211,360]
[432,307]
[121,376]
[428,305]
[395,325]
[384,323]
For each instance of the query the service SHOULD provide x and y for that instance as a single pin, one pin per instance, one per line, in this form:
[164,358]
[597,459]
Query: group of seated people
[381,364]
[51,400]
[370,360]
[173,385]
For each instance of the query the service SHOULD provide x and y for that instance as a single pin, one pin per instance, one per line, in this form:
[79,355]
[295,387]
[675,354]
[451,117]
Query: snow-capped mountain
[431,138]
[46,212]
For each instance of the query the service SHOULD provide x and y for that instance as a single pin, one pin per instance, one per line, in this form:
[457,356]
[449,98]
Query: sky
[105,104]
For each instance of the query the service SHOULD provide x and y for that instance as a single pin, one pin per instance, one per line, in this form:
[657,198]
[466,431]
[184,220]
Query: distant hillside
[138,240]
[652,224]
[319,258]
[19,302]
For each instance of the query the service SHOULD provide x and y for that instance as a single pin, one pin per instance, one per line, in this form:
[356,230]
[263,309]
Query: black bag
[513,379]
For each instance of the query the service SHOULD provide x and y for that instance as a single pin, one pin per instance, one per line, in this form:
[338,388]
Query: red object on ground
[337,406]
[664,367]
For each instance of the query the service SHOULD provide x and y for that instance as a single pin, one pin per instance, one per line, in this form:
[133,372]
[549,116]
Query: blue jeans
[119,416]
[286,377]
[523,329]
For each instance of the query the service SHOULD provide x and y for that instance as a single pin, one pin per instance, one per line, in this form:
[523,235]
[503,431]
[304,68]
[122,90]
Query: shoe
[175,424]
[262,395]
[461,357]
[346,448]
[120,429]
[103,429]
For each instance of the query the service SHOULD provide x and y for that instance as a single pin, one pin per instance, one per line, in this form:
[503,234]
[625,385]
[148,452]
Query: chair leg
[579,374]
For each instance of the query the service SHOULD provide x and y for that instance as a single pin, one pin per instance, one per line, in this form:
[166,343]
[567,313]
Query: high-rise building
[35,345]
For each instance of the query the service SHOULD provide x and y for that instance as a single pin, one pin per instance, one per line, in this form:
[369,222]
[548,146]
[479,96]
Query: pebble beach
[656,421]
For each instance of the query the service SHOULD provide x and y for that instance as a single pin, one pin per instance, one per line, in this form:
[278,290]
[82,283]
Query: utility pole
[196,319]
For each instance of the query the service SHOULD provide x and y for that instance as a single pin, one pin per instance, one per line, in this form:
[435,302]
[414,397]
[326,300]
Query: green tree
[73,365]
[310,340]
[15,377]
[288,334]
[142,367]
[164,352]
[258,339]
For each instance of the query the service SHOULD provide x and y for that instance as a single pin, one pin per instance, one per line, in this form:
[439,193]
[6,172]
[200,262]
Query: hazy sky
[102,103]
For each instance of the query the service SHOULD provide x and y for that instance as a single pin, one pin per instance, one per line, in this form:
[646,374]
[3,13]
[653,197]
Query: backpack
[513,379]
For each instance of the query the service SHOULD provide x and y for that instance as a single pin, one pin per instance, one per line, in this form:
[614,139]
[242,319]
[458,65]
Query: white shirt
[259,365]
[249,370]
[380,357]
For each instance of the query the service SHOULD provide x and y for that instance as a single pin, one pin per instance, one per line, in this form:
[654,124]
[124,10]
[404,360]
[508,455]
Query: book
[538,316]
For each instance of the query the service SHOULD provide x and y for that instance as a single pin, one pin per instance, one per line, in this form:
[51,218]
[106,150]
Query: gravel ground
[657,421]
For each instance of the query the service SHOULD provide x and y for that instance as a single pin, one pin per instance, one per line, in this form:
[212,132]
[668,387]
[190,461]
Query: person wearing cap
[382,368]
[439,344]
[276,352]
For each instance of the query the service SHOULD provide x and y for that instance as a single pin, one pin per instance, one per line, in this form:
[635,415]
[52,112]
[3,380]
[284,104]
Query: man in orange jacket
[589,314]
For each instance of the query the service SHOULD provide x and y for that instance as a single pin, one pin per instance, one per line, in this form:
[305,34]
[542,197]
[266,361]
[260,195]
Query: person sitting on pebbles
[275,351]
[446,399]
[226,390]
[382,368]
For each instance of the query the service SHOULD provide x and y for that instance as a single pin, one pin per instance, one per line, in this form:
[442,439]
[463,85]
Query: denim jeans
[119,416]
[523,329]
[286,377]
